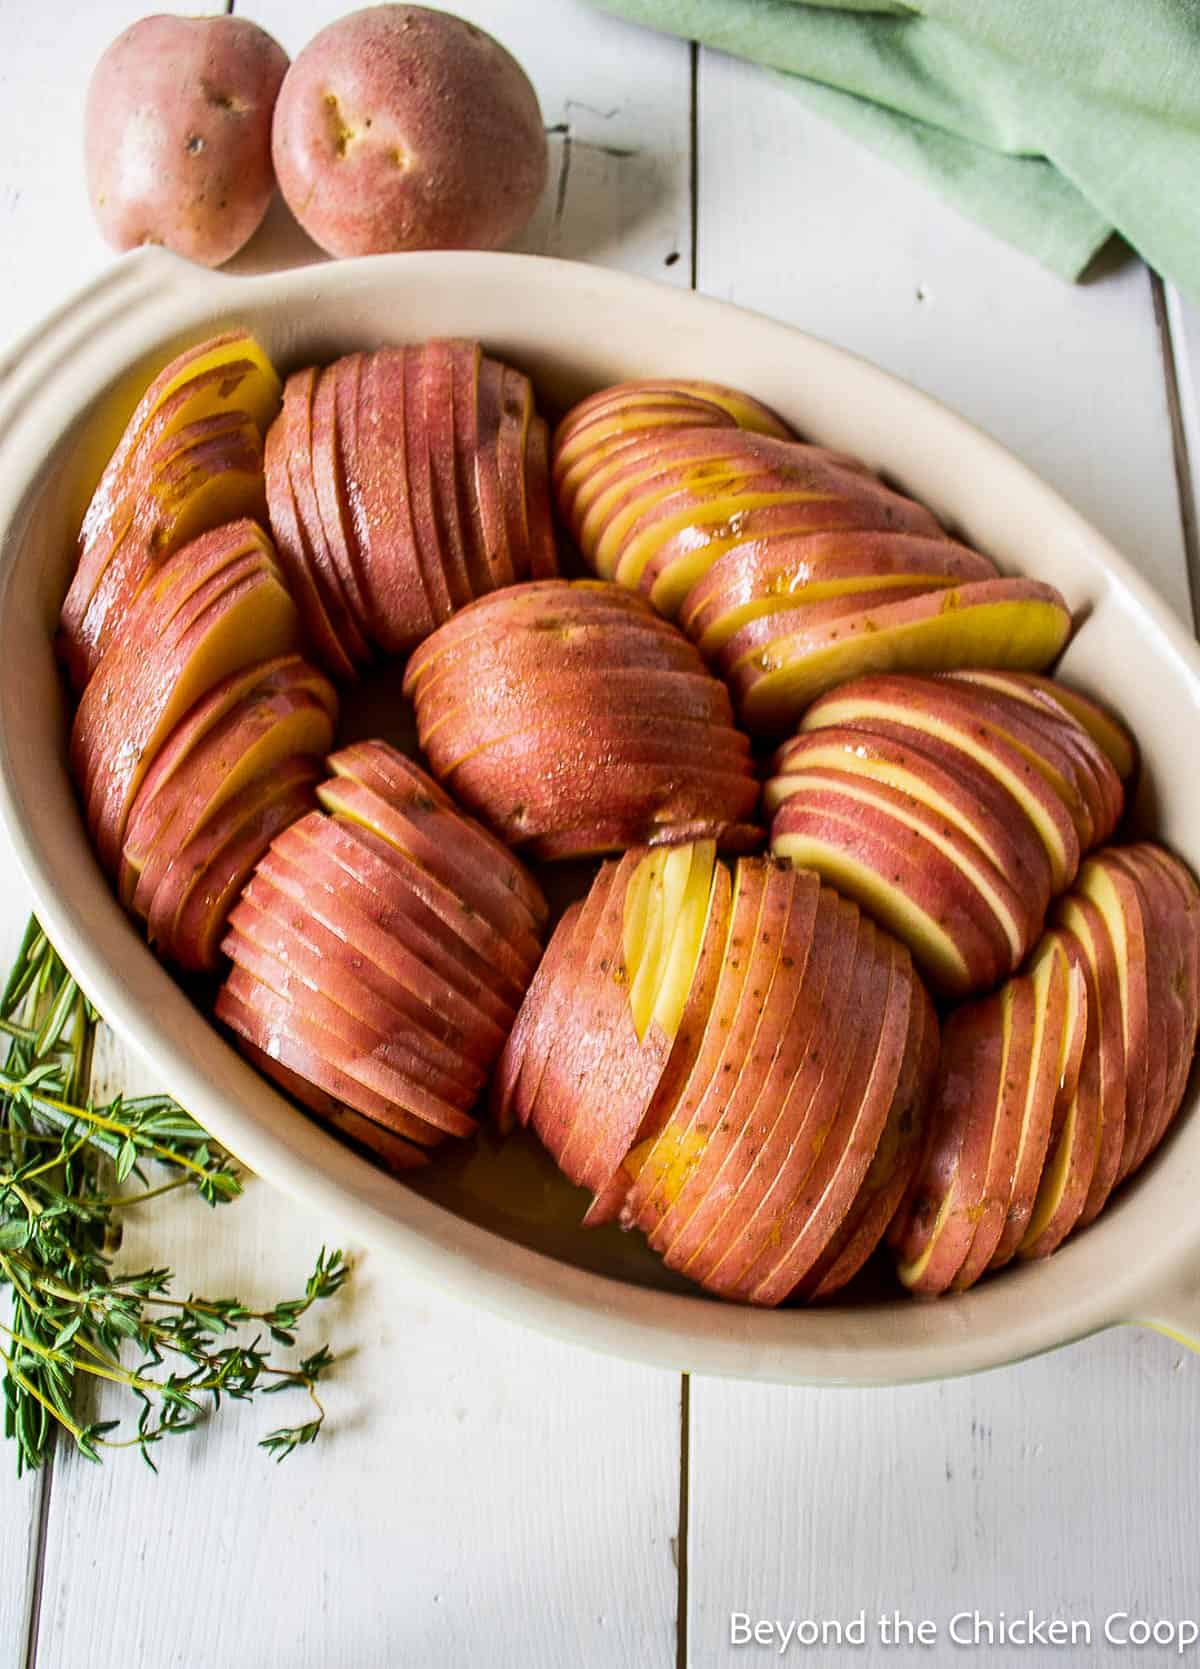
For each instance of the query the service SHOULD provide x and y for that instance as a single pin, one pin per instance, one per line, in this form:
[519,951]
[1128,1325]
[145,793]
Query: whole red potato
[400,127]
[178,134]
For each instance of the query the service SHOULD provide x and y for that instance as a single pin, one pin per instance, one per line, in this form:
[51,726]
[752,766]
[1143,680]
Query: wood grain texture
[486,1495]
[1063,1483]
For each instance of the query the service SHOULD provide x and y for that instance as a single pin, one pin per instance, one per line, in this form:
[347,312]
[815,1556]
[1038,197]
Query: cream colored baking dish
[498,1227]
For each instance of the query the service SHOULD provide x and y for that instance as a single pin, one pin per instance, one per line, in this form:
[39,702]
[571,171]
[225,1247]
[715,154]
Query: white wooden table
[487,1496]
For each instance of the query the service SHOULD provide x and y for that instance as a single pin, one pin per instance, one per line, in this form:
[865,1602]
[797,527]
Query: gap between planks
[37,1568]
[1174,367]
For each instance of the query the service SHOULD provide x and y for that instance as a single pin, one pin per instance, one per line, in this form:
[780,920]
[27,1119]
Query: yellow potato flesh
[253,387]
[307,730]
[1058,1167]
[781,788]
[673,1153]
[682,951]
[1044,972]
[669,1159]
[716,510]
[1107,734]
[961,860]
[1095,883]
[257,392]
[816,591]
[603,526]
[1023,634]
[588,445]
[675,871]
[642,932]
[931,944]
[968,743]
[257,626]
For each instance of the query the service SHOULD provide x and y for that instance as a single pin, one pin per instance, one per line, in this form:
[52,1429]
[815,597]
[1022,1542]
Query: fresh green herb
[65,1169]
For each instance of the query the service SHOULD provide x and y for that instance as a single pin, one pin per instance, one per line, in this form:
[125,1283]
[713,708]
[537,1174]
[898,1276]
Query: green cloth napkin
[1053,122]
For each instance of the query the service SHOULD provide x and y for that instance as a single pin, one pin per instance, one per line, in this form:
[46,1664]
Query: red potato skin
[179,788]
[1059,1086]
[1086,1136]
[529,1020]
[281,935]
[474,859]
[784,568]
[1186,980]
[349,799]
[399,127]
[323,640]
[987,812]
[893,1167]
[1023,1076]
[121,708]
[903,709]
[338,914]
[390,912]
[599,1077]
[274,1024]
[154,535]
[393,1060]
[1104,1006]
[960,1121]
[725,1234]
[721,1251]
[295,419]
[205,877]
[1162,1006]
[573,939]
[177,131]
[305,1072]
[814,1215]
[931,880]
[395,1153]
[378,866]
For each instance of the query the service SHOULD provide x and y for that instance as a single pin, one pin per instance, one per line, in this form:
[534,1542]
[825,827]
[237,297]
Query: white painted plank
[49,244]
[1064,1487]
[483,1495]
[800,222]
[486,1495]
[1066,1483]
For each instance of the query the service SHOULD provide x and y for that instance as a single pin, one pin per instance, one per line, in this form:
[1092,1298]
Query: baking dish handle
[73,331]
[1173,1307]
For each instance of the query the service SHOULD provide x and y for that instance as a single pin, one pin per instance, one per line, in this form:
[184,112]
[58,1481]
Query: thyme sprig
[66,1166]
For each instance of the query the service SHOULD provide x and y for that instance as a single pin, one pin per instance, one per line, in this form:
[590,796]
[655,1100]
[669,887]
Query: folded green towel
[1053,122]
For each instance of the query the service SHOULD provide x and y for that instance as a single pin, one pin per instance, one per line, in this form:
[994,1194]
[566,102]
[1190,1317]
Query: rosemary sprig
[64,1168]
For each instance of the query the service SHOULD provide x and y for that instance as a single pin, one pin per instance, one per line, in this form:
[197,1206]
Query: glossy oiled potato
[178,134]
[399,127]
